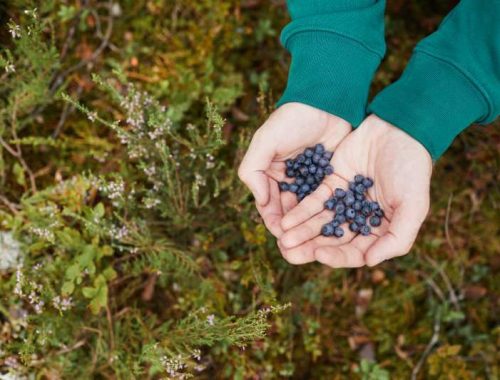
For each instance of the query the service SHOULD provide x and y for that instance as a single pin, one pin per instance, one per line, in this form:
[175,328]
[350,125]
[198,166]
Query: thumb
[252,169]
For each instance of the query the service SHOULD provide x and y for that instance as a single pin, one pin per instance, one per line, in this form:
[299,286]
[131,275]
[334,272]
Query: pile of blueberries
[351,206]
[309,169]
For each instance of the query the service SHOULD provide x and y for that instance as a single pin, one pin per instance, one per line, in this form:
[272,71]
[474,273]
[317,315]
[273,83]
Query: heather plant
[129,249]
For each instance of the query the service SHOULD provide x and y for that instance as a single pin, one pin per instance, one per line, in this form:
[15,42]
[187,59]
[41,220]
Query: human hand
[401,169]
[286,133]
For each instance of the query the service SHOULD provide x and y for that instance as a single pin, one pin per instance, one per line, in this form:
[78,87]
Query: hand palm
[401,170]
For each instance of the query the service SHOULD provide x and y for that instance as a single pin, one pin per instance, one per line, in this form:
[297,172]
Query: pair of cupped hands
[399,165]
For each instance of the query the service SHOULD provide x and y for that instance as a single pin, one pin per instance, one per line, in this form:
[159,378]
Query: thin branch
[434,340]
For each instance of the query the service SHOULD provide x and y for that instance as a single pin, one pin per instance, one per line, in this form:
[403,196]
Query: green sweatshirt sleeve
[336,46]
[452,79]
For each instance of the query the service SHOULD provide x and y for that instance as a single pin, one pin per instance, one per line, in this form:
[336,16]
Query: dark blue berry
[367,182]
[339,232]
[323,162]
[380,213]
[328,230]
[330,203]
[359,197]
[360,189]
[350,214]
[354,227]
[313,168]
[327,155]
[352,186]
[340,219]
[320,172]
[366,210]
[296,165]
[290,173]
[305,188]
[329,170]
[284,186]
[365,230]
[339,193]
[340,208]
[300,181]
[293,188]
[300,196]
[375,221]
[319,178]
[314,186]
[375,206]
[304,171]
[319,148]
[308,152]
[335,222]
[349,198]
[358,178]
[357,205]
[301,158]
[316,157]
[360,220]
[307,162]
[310,180]
[289,164]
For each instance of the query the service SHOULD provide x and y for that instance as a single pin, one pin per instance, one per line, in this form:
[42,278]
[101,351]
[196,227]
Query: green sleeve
[452,79]
[336,46]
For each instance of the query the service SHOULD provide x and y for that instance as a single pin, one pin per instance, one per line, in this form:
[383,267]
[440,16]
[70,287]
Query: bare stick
[434,340]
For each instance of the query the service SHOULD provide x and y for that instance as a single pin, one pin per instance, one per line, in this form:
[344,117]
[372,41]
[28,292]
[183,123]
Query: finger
[312,204]
[272,213]
[288,201]
[401,233]
[311,229]
[349,255]
[252,169]
[277,172]
[299,255]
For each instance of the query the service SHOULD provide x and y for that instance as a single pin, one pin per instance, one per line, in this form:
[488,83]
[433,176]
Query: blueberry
[313,168]
[314,186]
[301,158]
[358,178]
[319,178]
[335,223]
[308,152]
[357,205]
[360,220]
[375,221]
[290,173]
[316,157]
[300,196]
[293,188]
[308,162]
[323,162]
[360,189]
[296,165]
[339,232]
[327,230]
[349,198]
[365,230]
[366,210]
[330,203]
[350,214]
[340,219]
[352,186]
[319,148]
[305,188]
[380,213]
[310,180]
[354,227]
[340,208]
[375,206]
[329,170]
[289,164]
[284,186]
[327,155]
[339,193]
[304,171]
[367,182]
[300,181]
[359,197]
[320,172]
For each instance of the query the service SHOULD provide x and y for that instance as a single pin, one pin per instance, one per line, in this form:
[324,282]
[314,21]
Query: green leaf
[68,288]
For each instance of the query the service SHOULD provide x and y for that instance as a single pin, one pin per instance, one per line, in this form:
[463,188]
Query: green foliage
[130,250]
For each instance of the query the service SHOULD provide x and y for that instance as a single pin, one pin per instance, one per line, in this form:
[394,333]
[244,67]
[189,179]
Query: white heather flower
[197,354]
[92,116]
[10,251]
[10,68]
[211,319]
[15,30]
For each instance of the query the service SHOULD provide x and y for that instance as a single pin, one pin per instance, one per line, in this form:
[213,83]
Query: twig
[446,226]
[434,340]
[451,290]
[11,206]
[68,108]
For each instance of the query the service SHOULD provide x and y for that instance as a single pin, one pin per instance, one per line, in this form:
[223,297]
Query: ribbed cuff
[433,102]
[330,72]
